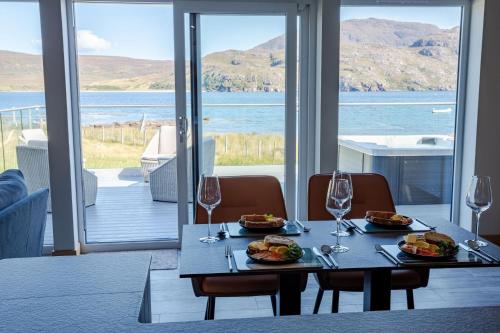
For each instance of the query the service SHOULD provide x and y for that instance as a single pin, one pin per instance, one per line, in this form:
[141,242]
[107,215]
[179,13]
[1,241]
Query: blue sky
[145,31]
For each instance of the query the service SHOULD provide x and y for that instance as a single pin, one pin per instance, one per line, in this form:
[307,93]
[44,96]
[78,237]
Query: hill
[375,55]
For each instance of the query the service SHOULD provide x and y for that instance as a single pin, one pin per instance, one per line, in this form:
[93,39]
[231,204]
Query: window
[398,101]
[128,129]
[23,126]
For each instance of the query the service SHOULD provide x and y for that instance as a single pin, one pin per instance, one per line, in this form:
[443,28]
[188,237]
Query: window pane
[22,101]
[128,129]
[243,83]
[398,80]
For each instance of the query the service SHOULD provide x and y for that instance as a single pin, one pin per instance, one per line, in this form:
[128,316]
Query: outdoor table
[206,260]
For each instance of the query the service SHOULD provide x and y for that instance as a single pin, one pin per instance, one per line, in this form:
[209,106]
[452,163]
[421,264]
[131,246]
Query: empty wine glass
[209,197]
[479,199]
[338,203]
[343,175]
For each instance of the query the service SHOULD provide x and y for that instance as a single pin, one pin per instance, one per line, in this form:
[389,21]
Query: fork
[228,254]
[356,228]
[379,249]
[428,226]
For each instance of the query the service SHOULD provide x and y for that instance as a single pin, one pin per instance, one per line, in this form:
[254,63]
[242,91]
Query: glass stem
[339,220]
[209,212]
[478,216]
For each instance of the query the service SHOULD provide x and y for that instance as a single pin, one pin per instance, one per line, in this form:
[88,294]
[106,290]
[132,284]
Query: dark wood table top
[200,259]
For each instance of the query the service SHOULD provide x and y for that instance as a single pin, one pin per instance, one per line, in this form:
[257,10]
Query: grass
[122,147]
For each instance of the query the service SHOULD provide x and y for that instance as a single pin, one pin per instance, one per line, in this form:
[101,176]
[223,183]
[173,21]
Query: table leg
[289,294]
[377,290]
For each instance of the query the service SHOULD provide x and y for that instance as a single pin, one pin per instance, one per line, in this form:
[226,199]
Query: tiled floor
[173,298]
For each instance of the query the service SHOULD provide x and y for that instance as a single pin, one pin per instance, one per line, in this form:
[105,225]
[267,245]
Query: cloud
[88,41]
[36,42]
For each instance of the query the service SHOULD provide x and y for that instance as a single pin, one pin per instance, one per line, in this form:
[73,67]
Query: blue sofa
[22,217]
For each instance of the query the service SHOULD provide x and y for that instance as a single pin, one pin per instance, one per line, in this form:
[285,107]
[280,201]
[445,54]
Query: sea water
[263,112]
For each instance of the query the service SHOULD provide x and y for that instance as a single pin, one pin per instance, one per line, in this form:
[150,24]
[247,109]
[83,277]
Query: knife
[319,254]
[478,254]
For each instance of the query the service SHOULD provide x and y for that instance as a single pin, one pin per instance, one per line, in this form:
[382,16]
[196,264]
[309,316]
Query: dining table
[208,260]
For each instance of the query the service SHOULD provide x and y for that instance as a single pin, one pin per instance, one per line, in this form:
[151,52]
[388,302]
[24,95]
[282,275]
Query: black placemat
[462,257]
[243,263]
[235,230]
[368,227]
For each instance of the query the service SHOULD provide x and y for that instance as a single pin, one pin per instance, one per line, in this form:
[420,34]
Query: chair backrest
[370,192]
[152,148]
[22,226]
[246,195]
[33,162]
[33,134]
[167,137]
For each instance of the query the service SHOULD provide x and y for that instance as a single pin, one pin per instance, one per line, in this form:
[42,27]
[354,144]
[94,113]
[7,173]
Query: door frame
[287,9]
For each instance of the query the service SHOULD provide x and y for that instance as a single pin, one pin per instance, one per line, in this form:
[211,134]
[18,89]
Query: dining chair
[371,192]
[242,195]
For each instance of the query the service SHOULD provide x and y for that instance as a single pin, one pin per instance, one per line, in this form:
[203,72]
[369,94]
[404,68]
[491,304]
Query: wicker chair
[35,134]
[163,179]
[33,161]
[161,148]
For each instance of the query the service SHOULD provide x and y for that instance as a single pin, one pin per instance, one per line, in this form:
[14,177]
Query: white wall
[482,121]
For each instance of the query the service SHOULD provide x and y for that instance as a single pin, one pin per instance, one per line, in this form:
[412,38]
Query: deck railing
[270,150]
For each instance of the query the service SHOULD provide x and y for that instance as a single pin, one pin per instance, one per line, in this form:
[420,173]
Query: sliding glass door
[23,122]
[128,122]
[243,89]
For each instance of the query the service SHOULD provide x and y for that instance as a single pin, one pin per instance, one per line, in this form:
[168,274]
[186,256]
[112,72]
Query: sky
[145,30]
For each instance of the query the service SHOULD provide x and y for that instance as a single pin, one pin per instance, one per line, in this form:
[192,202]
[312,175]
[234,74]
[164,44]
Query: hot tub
[419,168]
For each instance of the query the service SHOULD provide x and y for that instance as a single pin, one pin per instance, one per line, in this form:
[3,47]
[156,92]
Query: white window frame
[289,9]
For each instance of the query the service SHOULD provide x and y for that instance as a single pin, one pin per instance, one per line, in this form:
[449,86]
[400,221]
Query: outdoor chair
[161,148]
[371,192]
[33,161]
[28,135]
[163,179]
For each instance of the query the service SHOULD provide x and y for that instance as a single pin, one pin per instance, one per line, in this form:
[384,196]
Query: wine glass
[209,197]
[479,199]
[343,175]
[338,203]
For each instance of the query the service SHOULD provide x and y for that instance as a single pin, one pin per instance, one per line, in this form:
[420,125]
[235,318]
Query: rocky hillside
[388,55]
[375,55]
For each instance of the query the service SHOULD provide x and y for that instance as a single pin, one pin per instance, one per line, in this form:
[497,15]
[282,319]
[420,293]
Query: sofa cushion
[12,188]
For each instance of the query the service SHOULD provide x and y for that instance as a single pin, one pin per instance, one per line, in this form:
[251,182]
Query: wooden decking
[125,212]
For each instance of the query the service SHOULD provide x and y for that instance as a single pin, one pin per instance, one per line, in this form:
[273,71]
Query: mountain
[375,55]
[379,55]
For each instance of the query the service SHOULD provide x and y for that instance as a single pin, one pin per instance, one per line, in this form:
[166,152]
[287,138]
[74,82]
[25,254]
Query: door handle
[182,125]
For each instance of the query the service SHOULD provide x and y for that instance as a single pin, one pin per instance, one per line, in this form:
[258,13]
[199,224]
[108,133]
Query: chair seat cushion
[12,188]
[240,285]
[353,281]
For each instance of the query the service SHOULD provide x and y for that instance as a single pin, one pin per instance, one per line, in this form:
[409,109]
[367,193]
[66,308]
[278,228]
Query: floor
[125,212]
[173,298]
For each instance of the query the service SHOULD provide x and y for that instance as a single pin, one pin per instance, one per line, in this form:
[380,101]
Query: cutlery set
[331,264]
[350,226]
[229,254]
[479,253]
[379,249]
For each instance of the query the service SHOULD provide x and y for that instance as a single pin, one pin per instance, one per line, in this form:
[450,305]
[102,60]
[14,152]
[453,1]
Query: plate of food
[388,219]
[429,245]
[274,250]
[261,222]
